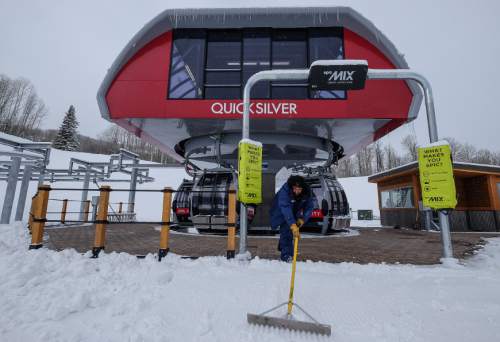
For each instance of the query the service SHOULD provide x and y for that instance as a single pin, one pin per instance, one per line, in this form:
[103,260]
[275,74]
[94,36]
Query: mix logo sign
[340,75]
[343,76]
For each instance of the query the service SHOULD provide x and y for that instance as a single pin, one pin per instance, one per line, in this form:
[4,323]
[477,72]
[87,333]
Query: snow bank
[50,296]
[361,194]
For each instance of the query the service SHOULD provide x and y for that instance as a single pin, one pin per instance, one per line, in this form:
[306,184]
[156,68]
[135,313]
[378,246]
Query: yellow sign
[250,171]
[436,177]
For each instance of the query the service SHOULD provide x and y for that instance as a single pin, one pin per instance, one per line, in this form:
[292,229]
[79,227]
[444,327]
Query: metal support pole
[133,186]
[83,199]
[303,74]
[266,75]
[10,191]
[433,134]
[23,192]
[95,204]
[41,176]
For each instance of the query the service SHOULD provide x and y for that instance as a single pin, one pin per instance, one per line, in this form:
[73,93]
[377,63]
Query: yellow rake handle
[292,281]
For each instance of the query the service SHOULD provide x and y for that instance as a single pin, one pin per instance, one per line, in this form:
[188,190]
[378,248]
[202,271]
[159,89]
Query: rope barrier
[142,190]
[170,223]
[67,212]
[62,200]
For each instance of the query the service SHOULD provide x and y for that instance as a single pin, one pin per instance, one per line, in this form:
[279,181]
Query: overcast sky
[65,48]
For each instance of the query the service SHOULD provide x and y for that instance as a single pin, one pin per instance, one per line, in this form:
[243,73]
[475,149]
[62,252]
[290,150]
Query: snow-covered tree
[67,137]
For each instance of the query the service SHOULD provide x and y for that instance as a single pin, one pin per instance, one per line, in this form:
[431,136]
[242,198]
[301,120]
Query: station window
[215,64]
[187,65]
[397,198]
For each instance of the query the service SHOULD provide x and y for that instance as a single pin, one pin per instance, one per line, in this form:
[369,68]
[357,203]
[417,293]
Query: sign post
[342,75]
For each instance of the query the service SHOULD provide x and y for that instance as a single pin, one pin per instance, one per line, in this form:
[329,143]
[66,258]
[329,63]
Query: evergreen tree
[67,137]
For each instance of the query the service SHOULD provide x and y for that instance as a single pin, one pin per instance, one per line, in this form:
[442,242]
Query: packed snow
[65,296]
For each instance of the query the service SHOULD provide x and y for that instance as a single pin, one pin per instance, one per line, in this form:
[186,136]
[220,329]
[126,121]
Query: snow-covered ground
[66,296]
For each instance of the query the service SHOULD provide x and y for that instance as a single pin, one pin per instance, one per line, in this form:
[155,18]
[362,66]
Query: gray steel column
[133,186]
[23,192]
[86,184]
[444,222]
[41,177]
[10,191]
[433,134]
[266,75]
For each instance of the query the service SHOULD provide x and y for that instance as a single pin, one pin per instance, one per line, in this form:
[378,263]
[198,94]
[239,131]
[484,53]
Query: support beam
[133,186]
[23,192]
[86,183]
[10,191]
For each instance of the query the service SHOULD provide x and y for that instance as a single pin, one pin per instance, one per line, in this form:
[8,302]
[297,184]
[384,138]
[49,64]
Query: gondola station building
[477,190]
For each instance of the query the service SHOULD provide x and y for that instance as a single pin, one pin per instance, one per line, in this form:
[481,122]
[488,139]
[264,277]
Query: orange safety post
[39,216]
[102,219]
[165,226]
[120,207]
[231,220]
[86,211]
[63,211]
[34,200]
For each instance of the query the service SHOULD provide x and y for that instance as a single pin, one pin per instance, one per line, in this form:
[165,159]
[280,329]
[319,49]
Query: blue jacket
[286,209]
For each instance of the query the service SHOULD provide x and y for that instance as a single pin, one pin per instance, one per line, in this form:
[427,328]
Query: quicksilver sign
[338,75]
[259,108]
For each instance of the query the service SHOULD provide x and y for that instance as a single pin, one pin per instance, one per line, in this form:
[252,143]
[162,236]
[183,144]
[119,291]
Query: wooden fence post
[165,227]
[34,200]
[102,219]
[86,211]
[231,220]
[39,216]
[63,211]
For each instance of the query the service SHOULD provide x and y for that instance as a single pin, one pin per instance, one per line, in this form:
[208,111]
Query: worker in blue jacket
[292,207]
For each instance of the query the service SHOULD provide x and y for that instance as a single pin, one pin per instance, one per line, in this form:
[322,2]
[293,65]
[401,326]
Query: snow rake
[288,321]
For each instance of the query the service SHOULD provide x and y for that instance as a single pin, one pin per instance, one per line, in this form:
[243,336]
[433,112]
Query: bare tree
[21,110]
[378,152]
[410,147]
[363,160]
[392,158]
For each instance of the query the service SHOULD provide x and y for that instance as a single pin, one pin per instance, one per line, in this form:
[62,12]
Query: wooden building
[478,196]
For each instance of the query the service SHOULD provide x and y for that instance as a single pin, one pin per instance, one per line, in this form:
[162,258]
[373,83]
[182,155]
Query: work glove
[299,223]
[295,230]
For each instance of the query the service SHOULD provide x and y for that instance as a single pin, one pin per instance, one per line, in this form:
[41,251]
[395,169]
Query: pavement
[360,245]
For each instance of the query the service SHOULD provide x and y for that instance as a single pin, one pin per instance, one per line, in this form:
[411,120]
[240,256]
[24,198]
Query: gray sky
[65,48]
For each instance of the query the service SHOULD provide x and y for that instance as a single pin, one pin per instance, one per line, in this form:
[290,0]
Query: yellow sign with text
[436,177]
[250,172]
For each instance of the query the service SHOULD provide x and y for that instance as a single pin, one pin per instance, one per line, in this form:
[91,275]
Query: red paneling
[392,97]
[140,87]
[140,90]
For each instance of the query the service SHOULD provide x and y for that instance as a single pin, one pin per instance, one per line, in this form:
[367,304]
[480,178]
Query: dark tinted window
[289,52]
[326,43]
[216,64]
[223,70]
[257,57]
[187,64]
